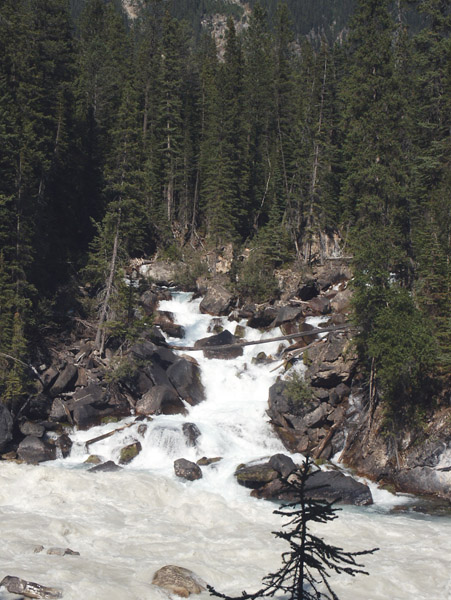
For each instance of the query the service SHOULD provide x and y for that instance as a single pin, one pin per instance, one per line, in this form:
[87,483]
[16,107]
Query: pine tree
[306,566]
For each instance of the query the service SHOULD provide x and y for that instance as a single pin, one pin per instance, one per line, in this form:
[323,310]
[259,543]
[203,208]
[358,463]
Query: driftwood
[30,589]
[266,341]
[107,435]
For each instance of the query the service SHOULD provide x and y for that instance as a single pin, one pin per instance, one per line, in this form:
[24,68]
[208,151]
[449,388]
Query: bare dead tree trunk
[100,334]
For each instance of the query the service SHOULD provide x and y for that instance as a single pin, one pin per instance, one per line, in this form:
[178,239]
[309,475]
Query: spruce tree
[309,562]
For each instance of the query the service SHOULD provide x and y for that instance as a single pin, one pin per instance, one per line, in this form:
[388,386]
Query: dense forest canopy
[121,136]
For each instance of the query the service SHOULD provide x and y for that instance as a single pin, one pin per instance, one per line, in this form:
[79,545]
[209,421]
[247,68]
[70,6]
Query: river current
[128,524]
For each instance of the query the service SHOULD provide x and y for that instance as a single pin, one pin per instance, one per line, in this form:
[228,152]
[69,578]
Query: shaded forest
[121,137]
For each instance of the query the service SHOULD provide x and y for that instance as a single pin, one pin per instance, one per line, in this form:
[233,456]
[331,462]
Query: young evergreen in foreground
[121,136]
[310,561]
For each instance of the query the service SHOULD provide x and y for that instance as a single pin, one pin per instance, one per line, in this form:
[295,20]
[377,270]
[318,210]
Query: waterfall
[127,524]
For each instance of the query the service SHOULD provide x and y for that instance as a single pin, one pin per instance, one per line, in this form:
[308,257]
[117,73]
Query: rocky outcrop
[267,480]
[179,581]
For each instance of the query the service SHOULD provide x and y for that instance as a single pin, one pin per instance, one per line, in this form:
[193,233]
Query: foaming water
[128,524]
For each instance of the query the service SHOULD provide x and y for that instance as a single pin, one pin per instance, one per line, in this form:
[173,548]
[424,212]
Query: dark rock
[205,462]
[34,450]
[157,374]
[286,314]
[144,350]
[263,318]
[30,589]
[64,443]
[247,311]
[283,464]
[165,320]
[331,363]
[217,301]
[37,407]
[319,306]
[65,381]
[148,302]
[335,486]
[86,416]
[187,470]
[255,476]
[49,376]
[30,428]
[191,432]
[6,427]
[59,411]
[161,399]
[308,290]
[109,466]
[185,377]
[128,453]
[221,339]
[328,276]
[93,394]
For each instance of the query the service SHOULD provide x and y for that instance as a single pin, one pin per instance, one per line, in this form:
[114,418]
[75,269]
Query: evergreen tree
[306,566]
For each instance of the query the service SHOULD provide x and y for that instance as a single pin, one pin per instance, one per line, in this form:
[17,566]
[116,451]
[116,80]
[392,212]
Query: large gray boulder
[6,427]
[65,381]
[34,450]
[185,377]
[160,399]
[217,300]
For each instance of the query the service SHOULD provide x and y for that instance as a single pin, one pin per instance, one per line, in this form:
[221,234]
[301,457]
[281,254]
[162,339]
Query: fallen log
[265,341]
[104,436]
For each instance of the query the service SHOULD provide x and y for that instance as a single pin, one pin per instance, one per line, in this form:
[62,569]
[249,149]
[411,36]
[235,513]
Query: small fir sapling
[307,565]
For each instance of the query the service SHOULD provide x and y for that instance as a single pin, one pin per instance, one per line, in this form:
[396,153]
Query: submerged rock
[128,453]
[179,581]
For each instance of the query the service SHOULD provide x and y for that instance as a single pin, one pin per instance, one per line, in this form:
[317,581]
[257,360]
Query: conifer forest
[127,132]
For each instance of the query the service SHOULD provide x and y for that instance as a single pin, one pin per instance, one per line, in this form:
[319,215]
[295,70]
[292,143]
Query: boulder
[148,302]
[287,314]
[65,381]
[64,443]
[331,363]
[165,320]
[29,589]
[341,302]
[86,416]
[206,462]
[307,290]
[179,581]
[161,272]
[30,428]
[186,379]
[6,427]
[128,453]
[283,464]
[160,399]
[318,306]
[34,450]
[191,432]
[217,301]
[37,407]
[335,486]
[108,467]
[263,318]
[255,476]
[48,377]
[221,339]
[56,551]
[187,470]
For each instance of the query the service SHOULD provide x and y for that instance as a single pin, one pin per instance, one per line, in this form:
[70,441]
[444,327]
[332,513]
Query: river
[127,524]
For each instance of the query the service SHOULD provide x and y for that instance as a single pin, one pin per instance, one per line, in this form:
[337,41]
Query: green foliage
[297,390]
[255,280]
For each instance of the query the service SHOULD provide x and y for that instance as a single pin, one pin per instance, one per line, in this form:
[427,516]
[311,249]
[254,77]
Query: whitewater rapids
[128,524]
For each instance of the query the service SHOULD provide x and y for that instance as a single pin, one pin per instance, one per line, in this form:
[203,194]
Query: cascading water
[127,524]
